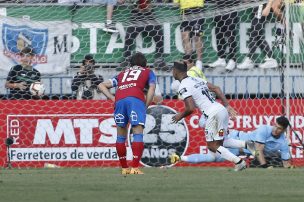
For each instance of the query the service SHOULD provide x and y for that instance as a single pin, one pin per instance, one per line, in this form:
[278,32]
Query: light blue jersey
[263,135]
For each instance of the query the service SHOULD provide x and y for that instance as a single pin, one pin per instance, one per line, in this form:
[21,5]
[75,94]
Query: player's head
[138,59]
[27,54]
[88,60]
[280,127]
[189,61]
[179,70]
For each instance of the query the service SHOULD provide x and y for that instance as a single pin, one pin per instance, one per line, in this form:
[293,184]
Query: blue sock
[138,137]
[121,139]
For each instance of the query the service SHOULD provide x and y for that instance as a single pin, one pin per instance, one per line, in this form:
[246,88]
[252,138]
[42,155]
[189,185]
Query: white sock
[109,22]
[184,158]
[226,154]
[199,64]
[233,143]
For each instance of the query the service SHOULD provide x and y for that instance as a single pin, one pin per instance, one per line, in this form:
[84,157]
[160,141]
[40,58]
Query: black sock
[239,161]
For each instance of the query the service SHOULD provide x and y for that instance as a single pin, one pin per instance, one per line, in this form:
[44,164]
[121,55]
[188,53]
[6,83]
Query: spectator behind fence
[109,25]
[192,27]
[21,76]
[257,35]
[226,31]
[86,81]
[36,1]
[70,1]
[144,21]
[192,71]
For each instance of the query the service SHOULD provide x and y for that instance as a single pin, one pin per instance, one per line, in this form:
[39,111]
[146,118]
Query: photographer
[86,81]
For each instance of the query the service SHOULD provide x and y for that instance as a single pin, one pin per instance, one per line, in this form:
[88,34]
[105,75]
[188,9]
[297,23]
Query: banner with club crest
[50,41]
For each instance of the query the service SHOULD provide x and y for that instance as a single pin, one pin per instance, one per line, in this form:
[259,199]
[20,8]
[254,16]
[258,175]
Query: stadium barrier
[247,86]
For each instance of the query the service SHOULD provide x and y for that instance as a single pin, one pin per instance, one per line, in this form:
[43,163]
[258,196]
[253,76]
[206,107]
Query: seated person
[86,81]
[21,76]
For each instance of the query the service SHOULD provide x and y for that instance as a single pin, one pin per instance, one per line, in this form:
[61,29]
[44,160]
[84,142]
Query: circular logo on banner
[162,137]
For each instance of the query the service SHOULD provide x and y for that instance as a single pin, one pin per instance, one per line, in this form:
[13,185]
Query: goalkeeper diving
[270,142]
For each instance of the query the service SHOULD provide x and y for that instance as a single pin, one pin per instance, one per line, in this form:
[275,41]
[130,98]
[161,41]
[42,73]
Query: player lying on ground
[130,107]
[196,92]
[269,140]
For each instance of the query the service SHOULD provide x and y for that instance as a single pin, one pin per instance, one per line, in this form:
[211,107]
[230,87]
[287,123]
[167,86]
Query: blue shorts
[131,110]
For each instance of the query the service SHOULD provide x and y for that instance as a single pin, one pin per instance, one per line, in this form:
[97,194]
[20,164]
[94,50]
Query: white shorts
[217,126]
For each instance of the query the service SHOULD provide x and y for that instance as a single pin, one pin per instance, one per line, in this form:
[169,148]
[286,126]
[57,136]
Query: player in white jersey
[196,93]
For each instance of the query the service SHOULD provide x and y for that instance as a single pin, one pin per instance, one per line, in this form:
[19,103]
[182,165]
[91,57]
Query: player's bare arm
[217,90]
[11,85]
[266,10]
[158,99]
[104,88]
[260,153]
[277,10]
[189,108]
[150,94]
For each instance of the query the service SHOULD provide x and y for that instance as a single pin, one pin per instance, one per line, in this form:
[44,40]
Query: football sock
[121,150]
[226,154]
[199,64]
[233,143]
[200,158]
[137,149]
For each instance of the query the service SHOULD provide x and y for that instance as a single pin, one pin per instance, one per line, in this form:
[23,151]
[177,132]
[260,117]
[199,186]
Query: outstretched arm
[150,94]
[260,153]
[158,98]
[189,108]
[104,88]
[217,90]
[276,7]
[266,10]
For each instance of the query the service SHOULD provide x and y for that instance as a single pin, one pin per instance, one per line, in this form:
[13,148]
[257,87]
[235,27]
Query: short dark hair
[138,59]
[27,50]
[180,66]
[283,121]
[88,57]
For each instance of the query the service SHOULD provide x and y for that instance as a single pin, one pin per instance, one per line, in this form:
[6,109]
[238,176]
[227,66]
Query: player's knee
[138,138]
[121,139]
[137,129]
[212,148]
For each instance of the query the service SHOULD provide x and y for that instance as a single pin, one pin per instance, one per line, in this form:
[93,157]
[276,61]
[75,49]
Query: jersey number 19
[131,75]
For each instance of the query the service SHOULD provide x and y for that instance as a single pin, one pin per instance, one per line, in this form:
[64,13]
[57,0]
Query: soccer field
[175,184]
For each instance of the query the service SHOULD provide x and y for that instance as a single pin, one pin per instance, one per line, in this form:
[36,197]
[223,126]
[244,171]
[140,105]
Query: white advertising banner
[50,40]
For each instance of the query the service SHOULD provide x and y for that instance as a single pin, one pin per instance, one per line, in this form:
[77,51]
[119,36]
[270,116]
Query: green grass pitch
[168,185]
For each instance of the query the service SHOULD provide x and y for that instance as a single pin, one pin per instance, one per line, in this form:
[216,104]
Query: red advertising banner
[83,133]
